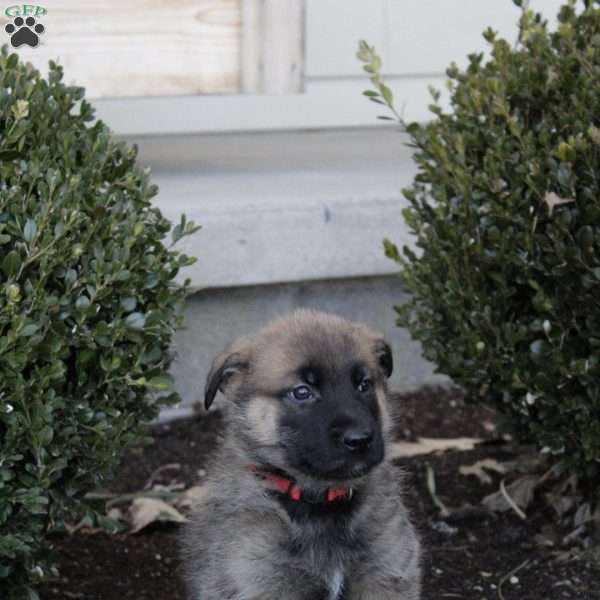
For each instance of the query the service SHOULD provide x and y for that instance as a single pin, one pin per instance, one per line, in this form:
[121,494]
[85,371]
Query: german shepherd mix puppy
[301,505]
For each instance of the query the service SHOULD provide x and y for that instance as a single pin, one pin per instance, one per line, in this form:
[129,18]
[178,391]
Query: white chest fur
[335,584]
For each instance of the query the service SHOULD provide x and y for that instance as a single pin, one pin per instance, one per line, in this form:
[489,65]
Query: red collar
[288,486]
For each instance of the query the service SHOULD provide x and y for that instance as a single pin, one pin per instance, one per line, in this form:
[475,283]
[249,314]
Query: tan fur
[241,543]
[386,419]
[262,416]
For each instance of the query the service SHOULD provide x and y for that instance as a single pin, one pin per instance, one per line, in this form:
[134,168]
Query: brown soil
[471,556]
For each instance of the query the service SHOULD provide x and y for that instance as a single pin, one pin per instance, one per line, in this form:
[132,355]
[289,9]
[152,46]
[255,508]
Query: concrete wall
[284,206]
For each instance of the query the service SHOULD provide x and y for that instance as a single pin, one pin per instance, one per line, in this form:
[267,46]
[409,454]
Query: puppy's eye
[365,385]
[301,393]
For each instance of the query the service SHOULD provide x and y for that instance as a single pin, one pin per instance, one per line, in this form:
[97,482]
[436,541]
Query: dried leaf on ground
[583,514]
[478,469]
[552,199]
[429,445]
[174,487]
[116,514]
[432,491]
[145,511]
[160,472]
[549,536]
[193,496]
[489,426]
[521,491]
[562,503]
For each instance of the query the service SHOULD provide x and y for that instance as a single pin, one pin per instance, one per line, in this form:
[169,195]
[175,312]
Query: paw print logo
[24,31]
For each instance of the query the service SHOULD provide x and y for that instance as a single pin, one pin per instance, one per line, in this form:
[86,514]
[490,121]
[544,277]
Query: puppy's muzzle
[355,440]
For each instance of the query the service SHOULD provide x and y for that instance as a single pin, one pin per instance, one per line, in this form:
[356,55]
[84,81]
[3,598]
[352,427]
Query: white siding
[416,38]
[333,30]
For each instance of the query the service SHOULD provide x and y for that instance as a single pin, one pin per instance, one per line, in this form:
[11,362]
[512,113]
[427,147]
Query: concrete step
[281,207]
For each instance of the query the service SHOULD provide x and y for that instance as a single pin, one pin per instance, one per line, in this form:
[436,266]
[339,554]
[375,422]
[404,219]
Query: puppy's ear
[383,352]
[224,367]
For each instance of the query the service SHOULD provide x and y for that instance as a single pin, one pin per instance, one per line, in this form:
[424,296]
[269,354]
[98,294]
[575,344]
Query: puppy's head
[309,395]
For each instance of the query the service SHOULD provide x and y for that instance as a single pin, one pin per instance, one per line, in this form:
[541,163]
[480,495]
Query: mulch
[470,555]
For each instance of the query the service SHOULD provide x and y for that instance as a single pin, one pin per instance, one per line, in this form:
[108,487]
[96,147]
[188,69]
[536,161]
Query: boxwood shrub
[88,307]
[505,211]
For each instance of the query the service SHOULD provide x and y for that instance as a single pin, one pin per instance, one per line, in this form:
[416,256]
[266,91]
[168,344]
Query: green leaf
[537,346]
[29,330]
[11,263]
[46,435]
[386,92]
[160,383]
[30,230]
[177,233]
[82,303]
[391,250]
[129,303]
[6,155]
[594,134]
[136,320]
[123,275]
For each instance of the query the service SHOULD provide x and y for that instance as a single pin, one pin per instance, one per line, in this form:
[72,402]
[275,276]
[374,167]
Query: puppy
[301,504]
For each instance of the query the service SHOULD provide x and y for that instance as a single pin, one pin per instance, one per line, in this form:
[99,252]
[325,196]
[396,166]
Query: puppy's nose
[357,440]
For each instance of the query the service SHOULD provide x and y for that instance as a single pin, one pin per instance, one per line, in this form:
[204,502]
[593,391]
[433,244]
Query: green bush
[505,209]
[88,307]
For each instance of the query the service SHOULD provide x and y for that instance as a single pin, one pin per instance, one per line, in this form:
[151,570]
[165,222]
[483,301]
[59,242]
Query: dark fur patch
[220,373]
